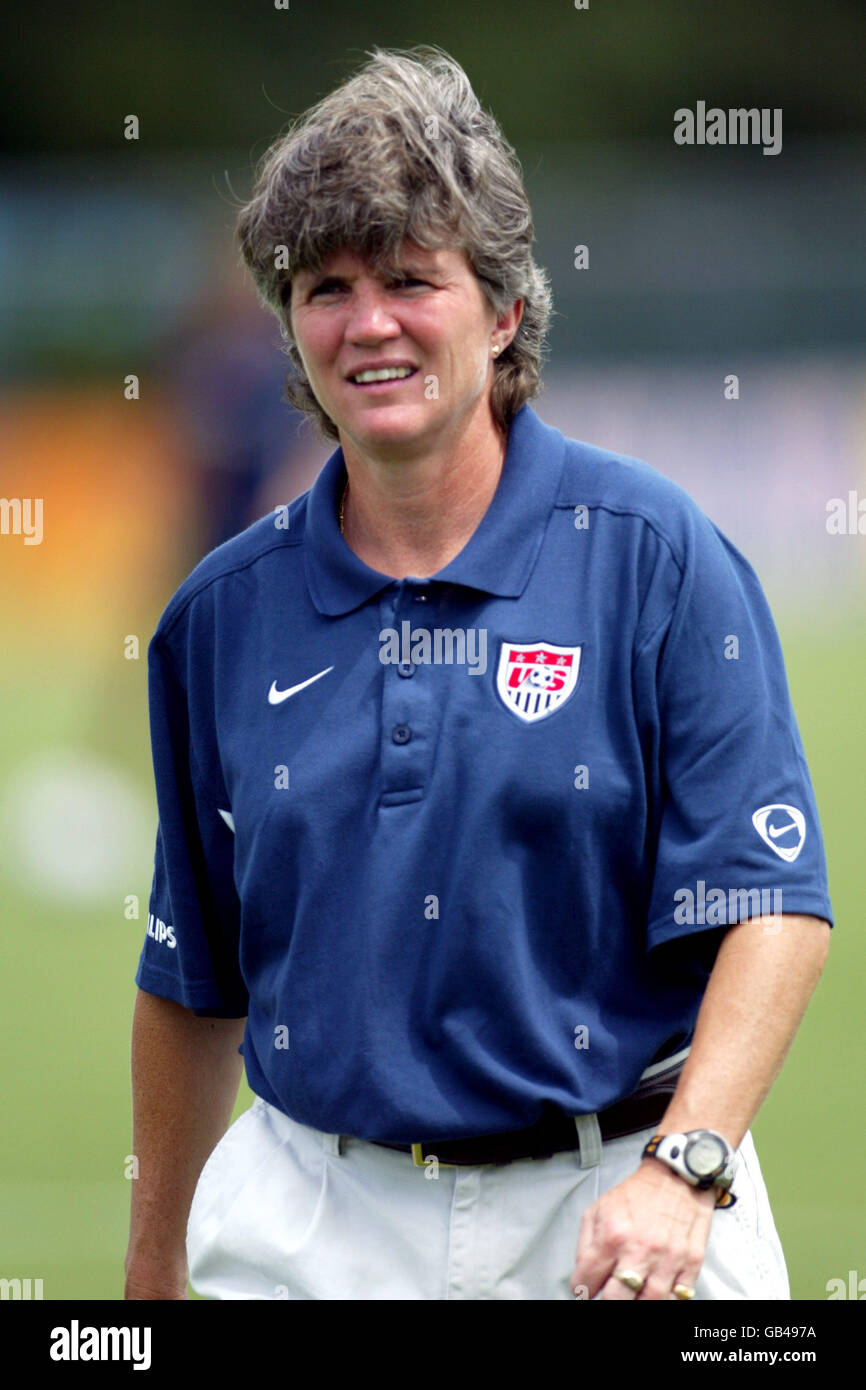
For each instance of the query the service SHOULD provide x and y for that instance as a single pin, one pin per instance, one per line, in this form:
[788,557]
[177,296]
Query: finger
[687,1274]
[681,1283]
[679,1267]
[590,1277]
[659,1284]
[696,1249]
[663,1267]
[595,1269]
[605,1250]
[628,1262]
[590,1268]
[614,1290]
[586,1236]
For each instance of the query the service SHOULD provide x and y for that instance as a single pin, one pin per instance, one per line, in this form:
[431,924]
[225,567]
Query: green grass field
[68,965]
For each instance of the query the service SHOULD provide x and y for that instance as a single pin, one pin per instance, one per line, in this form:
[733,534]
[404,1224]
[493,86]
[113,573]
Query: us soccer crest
[535,679]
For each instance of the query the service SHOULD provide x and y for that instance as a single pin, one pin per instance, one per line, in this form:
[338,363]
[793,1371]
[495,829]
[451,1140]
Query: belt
[555,1131]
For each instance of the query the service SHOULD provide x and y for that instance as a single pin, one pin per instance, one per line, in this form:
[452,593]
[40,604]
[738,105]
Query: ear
[508,323]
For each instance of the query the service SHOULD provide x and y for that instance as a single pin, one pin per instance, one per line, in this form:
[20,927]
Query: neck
[410,514]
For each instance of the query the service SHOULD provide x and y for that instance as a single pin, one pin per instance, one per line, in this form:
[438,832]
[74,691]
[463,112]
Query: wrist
[701,1158]
[680,1119]
[663,1176]
[156,1265]
[154,1291]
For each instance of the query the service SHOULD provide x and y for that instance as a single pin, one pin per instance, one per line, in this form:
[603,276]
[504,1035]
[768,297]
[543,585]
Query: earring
[496,349]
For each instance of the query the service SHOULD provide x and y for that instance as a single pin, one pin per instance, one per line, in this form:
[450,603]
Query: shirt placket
[408,724]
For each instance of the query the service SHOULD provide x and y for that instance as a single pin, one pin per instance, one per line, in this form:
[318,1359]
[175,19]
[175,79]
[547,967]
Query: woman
[462,762]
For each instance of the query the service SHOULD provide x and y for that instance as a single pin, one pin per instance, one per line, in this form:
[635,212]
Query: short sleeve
[734,821]
[191,946]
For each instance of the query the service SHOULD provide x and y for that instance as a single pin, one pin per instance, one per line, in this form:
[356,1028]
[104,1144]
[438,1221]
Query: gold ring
[683,1291]
[630,1278]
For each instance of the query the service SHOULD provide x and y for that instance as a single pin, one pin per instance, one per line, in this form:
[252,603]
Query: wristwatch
[702,1157]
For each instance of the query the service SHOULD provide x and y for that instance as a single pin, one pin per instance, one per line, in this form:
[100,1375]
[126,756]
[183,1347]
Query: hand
[653,1223]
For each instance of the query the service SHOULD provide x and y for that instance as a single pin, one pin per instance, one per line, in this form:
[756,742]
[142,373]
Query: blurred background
[141,401]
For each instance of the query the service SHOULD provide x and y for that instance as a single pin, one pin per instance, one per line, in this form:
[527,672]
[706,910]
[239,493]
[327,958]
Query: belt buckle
[421,1160]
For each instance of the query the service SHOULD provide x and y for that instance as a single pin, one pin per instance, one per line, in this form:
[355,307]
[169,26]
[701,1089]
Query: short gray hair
[403,149]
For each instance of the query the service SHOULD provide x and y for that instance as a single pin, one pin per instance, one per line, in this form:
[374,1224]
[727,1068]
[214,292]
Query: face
[430,318]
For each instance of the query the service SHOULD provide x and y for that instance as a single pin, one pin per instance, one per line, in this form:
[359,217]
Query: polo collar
[497,559]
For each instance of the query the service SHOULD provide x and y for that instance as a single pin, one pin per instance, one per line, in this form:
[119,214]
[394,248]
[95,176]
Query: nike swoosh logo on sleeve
[777,830]
[276,697]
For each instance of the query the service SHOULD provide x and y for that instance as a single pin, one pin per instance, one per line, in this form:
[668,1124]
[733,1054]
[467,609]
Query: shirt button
[401,733]
[405,669]
[419,598]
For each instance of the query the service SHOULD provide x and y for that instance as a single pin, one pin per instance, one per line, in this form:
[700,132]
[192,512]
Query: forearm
[185,1077]
[756,996]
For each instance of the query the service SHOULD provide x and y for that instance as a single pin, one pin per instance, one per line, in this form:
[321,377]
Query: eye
[332,285]
[326,287]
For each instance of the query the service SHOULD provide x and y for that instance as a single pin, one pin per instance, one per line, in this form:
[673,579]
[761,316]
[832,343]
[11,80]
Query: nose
[370,318]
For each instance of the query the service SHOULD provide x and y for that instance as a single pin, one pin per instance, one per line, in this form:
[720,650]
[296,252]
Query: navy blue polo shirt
[464,846]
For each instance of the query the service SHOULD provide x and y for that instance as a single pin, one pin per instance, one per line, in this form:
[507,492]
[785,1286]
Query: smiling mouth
[382,375]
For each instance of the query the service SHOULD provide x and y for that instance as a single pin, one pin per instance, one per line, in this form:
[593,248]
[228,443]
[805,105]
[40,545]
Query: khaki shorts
[282,1211]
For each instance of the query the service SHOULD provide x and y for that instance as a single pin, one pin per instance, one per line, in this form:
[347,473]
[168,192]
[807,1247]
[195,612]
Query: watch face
[704,1156]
